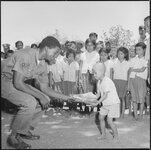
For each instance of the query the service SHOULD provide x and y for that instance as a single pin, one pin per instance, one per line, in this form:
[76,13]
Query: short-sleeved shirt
[138,63]
[107,85]
[57,70]
[70,71]
[89,59]
[121,70]
[147,53]
[25,61]
[108,64]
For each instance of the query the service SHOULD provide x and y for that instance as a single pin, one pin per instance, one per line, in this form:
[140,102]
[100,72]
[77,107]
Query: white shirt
[121,70]
[70,71]
[137,63]
[108,86]
[147,53]
[57,70]
[89,59]
[114,60]
[108,64]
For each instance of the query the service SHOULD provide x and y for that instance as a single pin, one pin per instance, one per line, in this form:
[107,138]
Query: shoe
[30,136]
[17,142]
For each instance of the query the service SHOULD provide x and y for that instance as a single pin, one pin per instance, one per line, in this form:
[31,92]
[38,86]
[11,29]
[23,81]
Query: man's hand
[45,102]
[71,99]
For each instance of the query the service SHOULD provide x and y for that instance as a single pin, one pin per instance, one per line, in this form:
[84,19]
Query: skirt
[138,89]
[69,87]
[87,82]
[59,87]
[121,87]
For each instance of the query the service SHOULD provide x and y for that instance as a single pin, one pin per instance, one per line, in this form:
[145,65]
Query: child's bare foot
[101,137]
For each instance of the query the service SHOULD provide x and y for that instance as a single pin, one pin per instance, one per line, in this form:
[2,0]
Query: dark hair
[141,28]
[104,51]
[148,17]
[107,43]
[73,42]
[70,51]
[50,42]
[125,51]
[18,42]
[32,45]
[66,43]
[93,34]
[89,41]
[100,42]
[10,51]
[141,44]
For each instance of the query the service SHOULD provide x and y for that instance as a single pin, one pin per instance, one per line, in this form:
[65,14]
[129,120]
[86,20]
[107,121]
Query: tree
[60,36]
[118,36]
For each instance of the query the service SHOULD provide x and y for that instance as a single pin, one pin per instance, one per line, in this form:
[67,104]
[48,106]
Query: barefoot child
[109,99]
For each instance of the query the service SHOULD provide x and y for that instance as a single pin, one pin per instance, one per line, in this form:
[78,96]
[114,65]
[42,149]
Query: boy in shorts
[109,99]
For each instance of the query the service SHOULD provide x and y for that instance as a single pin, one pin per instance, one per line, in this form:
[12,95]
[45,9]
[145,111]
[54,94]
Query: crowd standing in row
[72,71]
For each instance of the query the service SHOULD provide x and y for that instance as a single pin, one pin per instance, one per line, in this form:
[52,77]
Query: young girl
[120,75]
[70,69]
[138,73]
[132,52]
[89,58]
[56,80]
[104,58]
[113,53]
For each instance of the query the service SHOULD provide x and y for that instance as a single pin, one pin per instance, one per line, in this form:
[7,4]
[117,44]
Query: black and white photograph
[75,74]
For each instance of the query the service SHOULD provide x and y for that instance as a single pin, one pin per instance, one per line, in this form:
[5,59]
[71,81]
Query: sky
[31,21]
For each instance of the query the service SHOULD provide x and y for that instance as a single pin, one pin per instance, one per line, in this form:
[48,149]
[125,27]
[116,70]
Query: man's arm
[51,93]
[21,86]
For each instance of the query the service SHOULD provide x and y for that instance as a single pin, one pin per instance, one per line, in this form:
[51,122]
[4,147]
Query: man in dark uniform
[22,65]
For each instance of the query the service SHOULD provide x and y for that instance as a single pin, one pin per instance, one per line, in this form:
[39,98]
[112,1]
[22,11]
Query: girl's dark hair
[125,51]
[70,51]
[104,51]
[93,34]
[50,42]
[18,42]
[73,42]
[10,51]
[32,45]
[140,44]
[89,41]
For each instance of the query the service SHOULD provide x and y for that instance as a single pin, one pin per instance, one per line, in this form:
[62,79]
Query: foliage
[118,36]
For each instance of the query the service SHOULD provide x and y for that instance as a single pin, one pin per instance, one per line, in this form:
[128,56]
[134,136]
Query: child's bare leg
[113,127]
[135,106]
[102,124]
[97,122]
[130,108]
[141,110]
[123,107]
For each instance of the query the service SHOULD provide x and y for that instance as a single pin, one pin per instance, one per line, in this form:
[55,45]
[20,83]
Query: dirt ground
[58,131]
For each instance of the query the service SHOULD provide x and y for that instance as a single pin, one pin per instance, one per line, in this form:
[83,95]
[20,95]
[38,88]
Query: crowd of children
[72,71]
